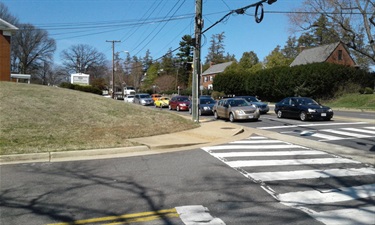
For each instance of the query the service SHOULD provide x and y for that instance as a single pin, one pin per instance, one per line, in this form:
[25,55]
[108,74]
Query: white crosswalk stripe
[360,130]
[262,160]
[311,174]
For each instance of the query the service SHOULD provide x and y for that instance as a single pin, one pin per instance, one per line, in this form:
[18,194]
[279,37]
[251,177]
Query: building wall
[4,57]
[345,60]
[207,80]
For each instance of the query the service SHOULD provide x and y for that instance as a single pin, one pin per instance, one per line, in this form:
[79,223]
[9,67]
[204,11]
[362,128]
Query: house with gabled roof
[332,53]
[6,31]
[208,75]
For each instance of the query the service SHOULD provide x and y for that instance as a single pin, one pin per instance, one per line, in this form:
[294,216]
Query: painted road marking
[311,174]
[277,153]
[233,147]
[197,215]
[256,142]
[360,130]
[347,133]
[310,125]
[127,218]
[358,216]
[328,196]
[191,214]
[253,163]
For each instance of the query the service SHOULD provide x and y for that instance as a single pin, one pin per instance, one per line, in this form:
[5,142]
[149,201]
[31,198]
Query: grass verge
[353,101]
[36,118]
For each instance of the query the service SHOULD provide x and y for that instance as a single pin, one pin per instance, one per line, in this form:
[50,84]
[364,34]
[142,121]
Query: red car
[179,103]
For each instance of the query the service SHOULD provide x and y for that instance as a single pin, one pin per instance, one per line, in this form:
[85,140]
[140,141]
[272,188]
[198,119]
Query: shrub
[84,88]
[368,90]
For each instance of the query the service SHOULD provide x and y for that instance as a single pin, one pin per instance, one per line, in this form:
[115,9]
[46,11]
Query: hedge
[319,81]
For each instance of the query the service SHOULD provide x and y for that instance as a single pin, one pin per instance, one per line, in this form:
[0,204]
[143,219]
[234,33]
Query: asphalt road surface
[107,191]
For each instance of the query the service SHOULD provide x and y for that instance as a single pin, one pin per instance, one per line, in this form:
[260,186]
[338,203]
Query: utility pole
[197,60]
[113,68]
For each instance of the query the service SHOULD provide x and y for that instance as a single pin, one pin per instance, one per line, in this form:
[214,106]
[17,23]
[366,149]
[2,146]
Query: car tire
[303,116]
[231,117]
[279,114]
[216,116]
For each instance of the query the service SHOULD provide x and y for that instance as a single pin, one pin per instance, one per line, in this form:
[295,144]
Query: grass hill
[36,118]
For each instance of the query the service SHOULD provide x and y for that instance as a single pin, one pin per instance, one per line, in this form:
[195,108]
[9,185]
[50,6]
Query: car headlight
[311,110]
[182,104]
[329,110]
[240,112]
[206,108]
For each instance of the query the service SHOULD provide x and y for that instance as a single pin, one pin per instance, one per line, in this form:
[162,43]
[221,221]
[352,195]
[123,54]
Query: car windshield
[181,99]
[145,96]
[251,99]
[207,101]
[238,102]
[163,99]
[306,101]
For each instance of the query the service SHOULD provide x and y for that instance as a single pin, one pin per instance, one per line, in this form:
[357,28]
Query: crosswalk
[337,134]
[331,189]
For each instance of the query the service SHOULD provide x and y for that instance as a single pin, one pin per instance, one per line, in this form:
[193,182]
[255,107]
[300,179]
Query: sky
[154,25]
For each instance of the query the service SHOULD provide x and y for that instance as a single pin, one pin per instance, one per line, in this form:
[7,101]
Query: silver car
[235,109]
[143,99]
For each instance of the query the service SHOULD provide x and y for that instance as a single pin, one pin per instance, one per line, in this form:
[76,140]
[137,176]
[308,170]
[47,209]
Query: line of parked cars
[238,108]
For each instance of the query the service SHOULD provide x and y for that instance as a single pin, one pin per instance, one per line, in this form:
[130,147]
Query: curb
[69,155]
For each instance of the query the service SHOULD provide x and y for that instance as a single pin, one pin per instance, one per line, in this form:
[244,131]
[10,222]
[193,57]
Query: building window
[211,78]
[205,79]
[340,55]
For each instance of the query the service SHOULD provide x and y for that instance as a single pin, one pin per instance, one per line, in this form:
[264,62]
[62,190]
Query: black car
[263,107]
[302,108]
[205,105]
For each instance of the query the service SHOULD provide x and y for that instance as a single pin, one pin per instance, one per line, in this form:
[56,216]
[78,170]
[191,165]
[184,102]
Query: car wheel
[178,108]
[279,114]
[231,117]
[303,116]
[216,116]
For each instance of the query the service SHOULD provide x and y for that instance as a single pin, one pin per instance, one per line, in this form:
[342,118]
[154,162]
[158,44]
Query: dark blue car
[302,108]
[205,105]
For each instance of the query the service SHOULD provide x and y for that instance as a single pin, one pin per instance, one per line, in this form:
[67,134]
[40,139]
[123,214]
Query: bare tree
[6,15]
[31,47]
[48,74]
[352,19]
[83,58]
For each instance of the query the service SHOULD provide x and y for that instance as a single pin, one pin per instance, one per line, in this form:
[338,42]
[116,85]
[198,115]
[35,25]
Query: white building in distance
[80,78]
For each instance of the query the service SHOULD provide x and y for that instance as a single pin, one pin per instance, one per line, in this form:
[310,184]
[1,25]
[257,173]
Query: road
[51,193]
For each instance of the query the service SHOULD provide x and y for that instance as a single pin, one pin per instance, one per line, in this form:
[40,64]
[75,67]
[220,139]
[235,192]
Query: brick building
[332,53]
[6,30]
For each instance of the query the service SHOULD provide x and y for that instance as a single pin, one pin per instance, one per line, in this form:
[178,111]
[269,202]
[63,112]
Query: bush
[84,88]
[368,90]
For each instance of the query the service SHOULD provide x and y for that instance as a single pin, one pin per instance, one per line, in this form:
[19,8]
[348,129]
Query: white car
[129,98]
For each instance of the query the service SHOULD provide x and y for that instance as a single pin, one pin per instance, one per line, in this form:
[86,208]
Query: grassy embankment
[354,101]
[35,118]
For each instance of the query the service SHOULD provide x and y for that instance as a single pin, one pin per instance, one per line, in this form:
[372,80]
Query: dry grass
[35,118]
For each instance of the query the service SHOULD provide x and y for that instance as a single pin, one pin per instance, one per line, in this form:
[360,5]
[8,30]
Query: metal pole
[197,59]
[113,67]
